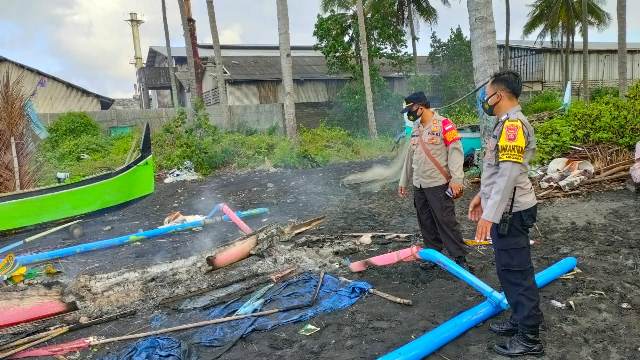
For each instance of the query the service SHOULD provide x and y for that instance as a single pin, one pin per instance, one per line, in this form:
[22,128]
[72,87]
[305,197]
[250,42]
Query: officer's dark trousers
[437,220]
[515,270]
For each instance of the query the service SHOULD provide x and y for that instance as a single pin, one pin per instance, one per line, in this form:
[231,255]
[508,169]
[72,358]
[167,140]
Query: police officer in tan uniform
[433,166]
[505,210]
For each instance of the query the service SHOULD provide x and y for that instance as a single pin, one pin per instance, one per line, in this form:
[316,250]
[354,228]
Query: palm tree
[423,10]
[286,64]
[558,21]
[484,49]
[364,55]
[222,88]
[174,89]
[505,55]
[585,52]
[622,46]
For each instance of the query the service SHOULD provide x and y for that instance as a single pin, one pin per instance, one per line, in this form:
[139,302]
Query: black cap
[415,98]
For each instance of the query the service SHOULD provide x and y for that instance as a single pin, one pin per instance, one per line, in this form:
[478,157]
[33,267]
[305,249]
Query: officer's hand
[402,191]
[483,231]
[475,208]
[456,188]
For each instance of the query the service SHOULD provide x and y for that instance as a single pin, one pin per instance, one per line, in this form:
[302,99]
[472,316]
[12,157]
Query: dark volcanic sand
[601,229]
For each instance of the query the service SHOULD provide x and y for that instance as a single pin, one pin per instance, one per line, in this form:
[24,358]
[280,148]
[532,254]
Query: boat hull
[135,180]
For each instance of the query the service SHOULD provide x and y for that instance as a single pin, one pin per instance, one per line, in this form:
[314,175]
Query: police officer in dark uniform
[505,210]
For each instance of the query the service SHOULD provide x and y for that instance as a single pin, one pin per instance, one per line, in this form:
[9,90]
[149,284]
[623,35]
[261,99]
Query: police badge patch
[512,143]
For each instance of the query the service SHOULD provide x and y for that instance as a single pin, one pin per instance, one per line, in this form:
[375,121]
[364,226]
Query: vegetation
[75,135]
[559,21]
[547,100]
[452,57]
[210,149]
[77,145]
[337,36]
[604,91]
[606,120]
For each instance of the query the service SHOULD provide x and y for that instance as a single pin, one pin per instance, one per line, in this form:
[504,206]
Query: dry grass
[14,124]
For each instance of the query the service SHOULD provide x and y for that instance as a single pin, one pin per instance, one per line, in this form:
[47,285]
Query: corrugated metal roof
[262,62]
[105,101]
[593,45]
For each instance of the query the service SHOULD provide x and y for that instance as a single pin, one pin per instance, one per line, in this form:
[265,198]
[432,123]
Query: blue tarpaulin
[154,348]
[334,295]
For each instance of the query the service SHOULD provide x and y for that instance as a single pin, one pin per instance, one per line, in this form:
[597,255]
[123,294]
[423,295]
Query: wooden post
[16,169]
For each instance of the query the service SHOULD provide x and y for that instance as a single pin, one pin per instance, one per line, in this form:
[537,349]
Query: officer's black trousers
[515,270]
[437,220]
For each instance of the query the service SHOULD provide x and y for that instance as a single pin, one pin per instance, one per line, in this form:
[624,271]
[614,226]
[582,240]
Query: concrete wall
[259,117]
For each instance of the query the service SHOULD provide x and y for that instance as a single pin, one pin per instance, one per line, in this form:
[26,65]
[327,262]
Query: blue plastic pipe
[458,325]
[456,270]
[248,213]
[105,244]
[122,240]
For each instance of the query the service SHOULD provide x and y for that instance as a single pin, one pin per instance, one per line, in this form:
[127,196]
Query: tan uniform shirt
[505,165]
[417,165]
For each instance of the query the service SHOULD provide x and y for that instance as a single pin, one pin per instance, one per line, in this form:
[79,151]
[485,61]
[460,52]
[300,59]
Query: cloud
[88,43]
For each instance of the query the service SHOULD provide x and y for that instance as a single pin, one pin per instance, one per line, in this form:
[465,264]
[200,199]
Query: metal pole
[16,168]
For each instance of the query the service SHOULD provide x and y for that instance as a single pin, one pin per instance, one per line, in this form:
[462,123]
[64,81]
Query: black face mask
[488,108]
[413,115]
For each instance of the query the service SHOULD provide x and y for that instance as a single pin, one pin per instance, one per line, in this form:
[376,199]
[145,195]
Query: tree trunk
[191,87]
[414,38]
[585,52]
[622,46]
[286,64]
[562,60]
[222,87]
[505,60]
[484,48]
[567,54]
[191,45]
[364,54]
[174,89]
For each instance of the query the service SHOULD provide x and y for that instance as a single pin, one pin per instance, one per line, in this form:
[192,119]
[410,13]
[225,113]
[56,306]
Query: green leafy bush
[547,100]
[608,120]
[601,92]
[461,114]
[210,149]
[74,136]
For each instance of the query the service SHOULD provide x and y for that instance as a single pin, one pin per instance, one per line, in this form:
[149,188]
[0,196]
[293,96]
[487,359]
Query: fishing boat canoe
[32,207]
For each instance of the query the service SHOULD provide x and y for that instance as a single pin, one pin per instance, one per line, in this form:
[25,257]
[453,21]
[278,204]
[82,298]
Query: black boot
[521,344]
[504,328]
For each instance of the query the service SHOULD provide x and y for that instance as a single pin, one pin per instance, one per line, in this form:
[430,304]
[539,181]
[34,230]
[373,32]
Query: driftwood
[607,178]
[613,166]
[50,335]
[304,226]
[615,170]
[384,295]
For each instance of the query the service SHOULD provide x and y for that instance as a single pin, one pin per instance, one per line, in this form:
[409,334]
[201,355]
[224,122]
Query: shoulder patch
[449,132]
[512,143]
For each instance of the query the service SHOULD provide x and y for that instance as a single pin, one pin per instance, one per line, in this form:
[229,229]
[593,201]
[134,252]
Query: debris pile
[186,172]
[583,169]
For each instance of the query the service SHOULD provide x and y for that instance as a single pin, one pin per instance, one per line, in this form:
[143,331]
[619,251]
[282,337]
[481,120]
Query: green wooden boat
[38,206]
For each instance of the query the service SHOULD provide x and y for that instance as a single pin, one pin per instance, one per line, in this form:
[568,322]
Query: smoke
[379,175]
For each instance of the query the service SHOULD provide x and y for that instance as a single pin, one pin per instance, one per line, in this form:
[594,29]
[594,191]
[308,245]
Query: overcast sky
[88,43]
